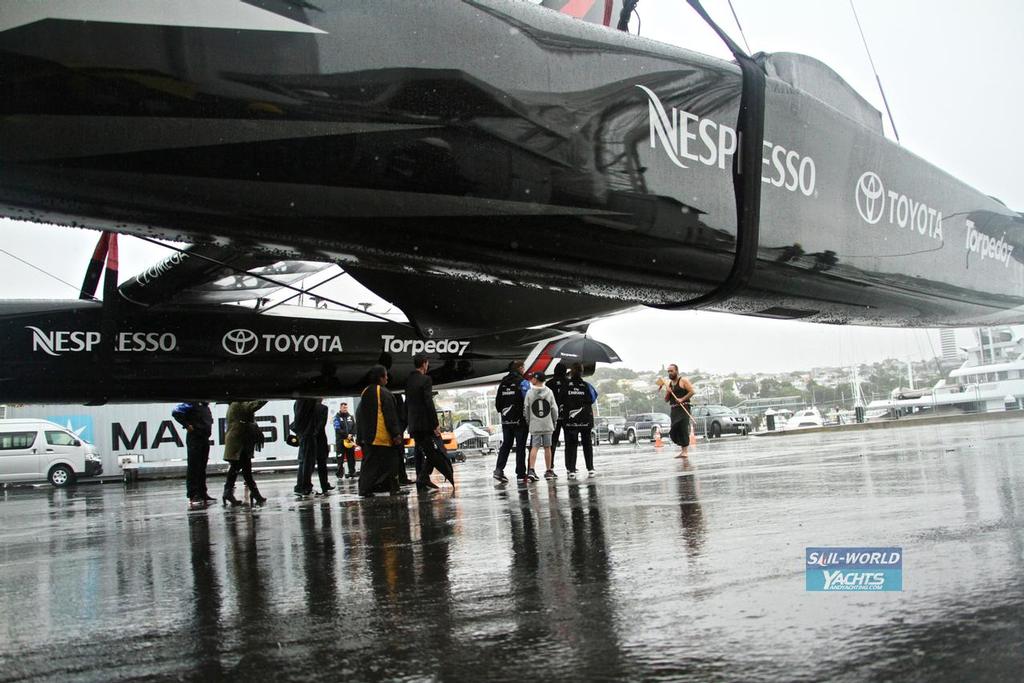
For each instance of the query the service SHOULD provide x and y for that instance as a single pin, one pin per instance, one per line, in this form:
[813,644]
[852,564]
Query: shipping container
[147,433]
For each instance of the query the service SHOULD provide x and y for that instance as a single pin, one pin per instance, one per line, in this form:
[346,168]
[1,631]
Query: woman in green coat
[239,446]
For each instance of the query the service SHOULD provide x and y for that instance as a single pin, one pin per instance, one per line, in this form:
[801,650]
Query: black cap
[539,376]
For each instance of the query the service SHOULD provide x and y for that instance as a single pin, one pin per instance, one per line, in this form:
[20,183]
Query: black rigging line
[272,281]
[740,27]
[46,273]
[305,291]
[878,80]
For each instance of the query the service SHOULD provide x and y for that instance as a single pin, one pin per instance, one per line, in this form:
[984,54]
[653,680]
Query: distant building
[947,341]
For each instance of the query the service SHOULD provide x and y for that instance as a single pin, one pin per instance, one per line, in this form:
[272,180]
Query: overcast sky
[951,75]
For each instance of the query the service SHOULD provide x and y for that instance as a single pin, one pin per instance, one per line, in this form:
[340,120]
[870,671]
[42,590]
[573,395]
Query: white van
[31,450]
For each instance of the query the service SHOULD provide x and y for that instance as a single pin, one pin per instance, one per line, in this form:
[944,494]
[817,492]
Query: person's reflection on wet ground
[206,599]
[321,592]
[249,579]
[595,638]
[690,512]
[433,587]
[525,580]
[392,628]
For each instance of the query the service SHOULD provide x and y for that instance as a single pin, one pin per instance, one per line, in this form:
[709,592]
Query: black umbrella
[438,457]
[583,349]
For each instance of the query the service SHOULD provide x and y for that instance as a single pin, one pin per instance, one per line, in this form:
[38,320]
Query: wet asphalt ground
[654,570]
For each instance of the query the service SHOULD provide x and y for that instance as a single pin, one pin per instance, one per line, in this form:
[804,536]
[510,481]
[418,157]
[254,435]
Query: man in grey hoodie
[541,411]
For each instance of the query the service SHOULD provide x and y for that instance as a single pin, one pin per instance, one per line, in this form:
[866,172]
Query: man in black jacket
[304,424]
[323,448]
[423,424]
[196,418]
[509,403]
[557,386]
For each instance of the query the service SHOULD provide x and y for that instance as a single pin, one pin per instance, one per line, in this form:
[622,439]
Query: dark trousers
[573,435]
[322,451]
[513,434]
[680,432]
[243,464]
[555,443]
[307,461]
[424,448]
[346,456]
[198,448]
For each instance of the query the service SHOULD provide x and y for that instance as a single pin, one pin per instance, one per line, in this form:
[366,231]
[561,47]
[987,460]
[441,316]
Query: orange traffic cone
[658,444]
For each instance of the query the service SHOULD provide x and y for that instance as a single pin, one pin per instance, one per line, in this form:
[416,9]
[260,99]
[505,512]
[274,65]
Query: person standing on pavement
[678,393]
[240,443]
[509,403]
[344,441]
[542,415]
[578,403]
[557,386]
[196,418]
[379,434]
[423,422]
[323,447]
[304,421]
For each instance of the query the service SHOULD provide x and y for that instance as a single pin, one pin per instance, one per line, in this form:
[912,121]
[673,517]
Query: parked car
[610,429]
[712,421]
[643,426]
[31,450]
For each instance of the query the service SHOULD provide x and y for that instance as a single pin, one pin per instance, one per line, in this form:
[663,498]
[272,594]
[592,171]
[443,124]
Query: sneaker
[532,476]
[500,476]
[550,474]
[570,475]
[591,473]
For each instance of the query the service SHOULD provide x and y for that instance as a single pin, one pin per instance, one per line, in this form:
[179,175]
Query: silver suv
[713,421]
[643,426]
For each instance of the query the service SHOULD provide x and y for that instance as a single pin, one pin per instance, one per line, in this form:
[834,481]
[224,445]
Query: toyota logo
[870,197]
[240,342]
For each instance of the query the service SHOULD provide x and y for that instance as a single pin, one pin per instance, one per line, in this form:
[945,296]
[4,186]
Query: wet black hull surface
[548,151]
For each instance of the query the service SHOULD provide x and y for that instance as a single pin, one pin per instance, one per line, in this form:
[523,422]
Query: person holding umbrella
[578,399]
[557,386]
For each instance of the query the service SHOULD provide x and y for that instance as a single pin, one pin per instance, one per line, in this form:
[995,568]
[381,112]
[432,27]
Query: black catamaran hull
[490,141]
[59,352]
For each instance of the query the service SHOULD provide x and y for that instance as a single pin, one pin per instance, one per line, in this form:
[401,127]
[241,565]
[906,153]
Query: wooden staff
[668,392]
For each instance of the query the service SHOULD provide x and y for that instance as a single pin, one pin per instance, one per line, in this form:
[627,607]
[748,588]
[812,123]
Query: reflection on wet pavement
[654,570]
